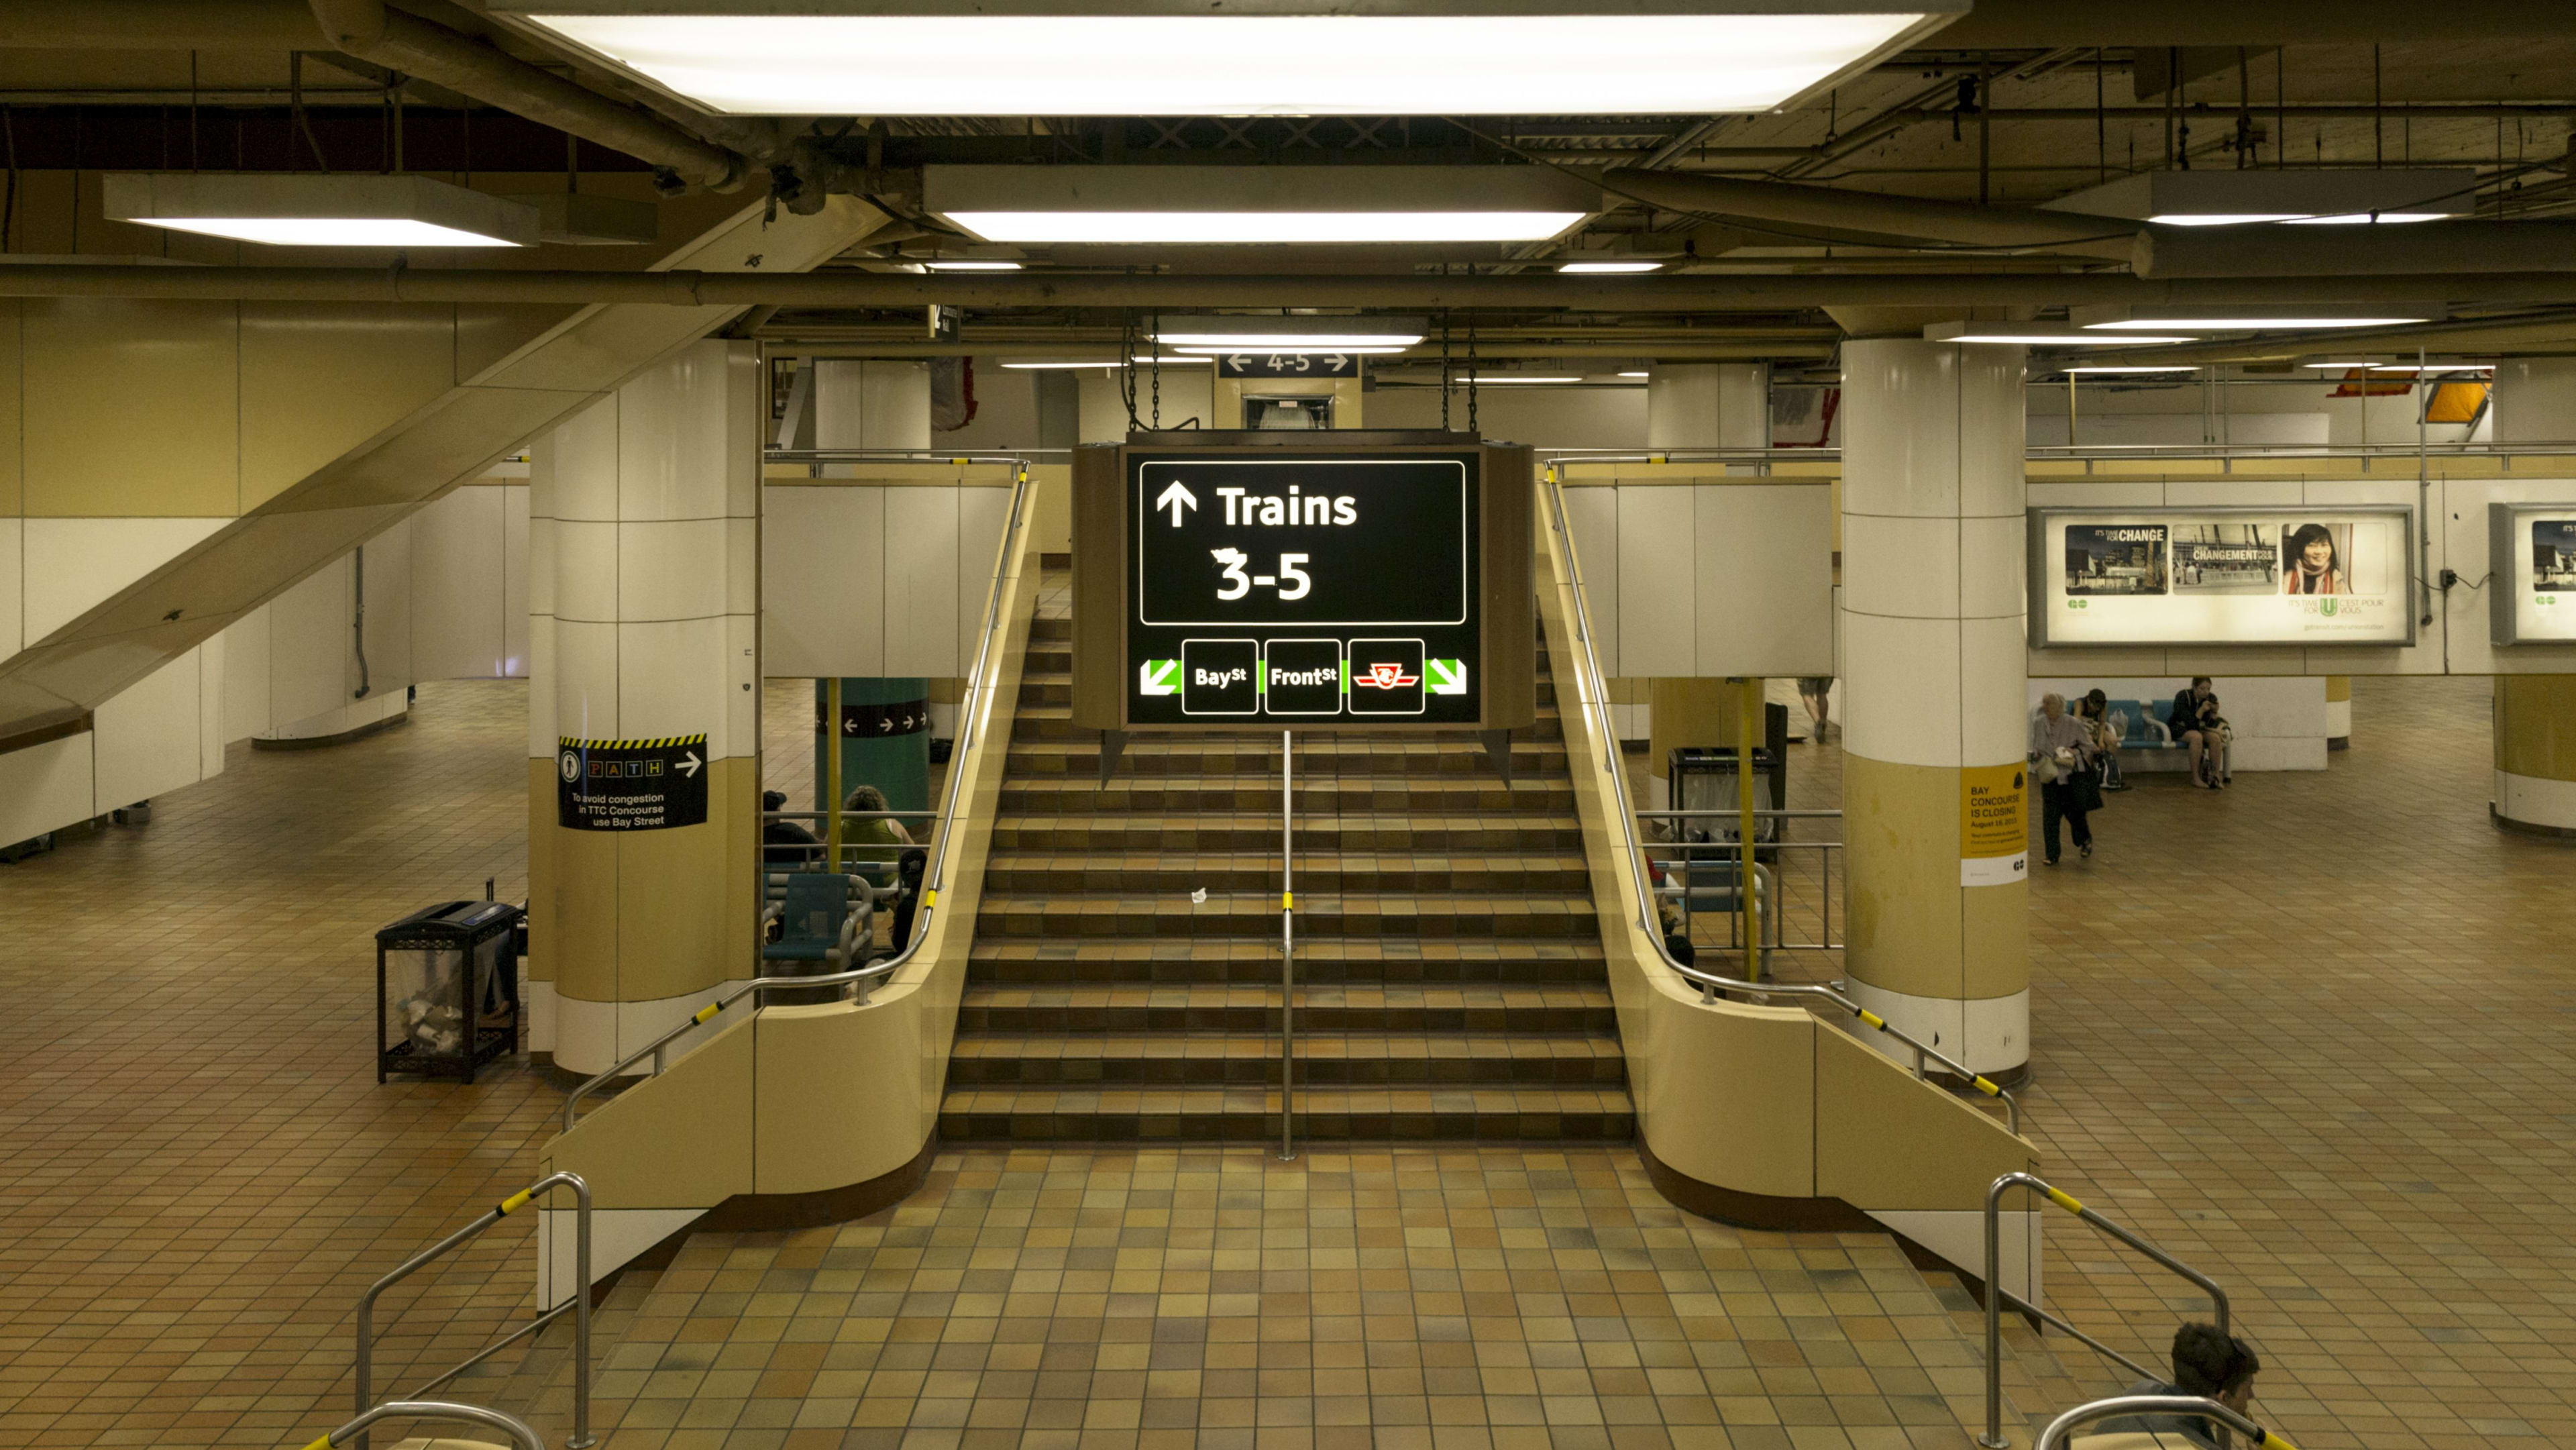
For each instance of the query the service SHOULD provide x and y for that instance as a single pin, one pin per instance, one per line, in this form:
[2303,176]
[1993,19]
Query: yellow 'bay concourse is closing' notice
[1994,825]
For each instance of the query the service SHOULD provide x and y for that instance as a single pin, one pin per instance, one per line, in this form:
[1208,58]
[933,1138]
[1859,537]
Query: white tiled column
[1708,405]
[1934,669]
[644,590]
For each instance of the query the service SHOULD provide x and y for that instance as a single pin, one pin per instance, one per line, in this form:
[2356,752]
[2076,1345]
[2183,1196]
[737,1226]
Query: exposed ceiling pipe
[1696,292]
[2345,251]
[403,42]
[1728,199]
[2046,24]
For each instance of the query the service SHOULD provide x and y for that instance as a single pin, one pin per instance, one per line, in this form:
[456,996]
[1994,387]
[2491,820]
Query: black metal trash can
[439,973]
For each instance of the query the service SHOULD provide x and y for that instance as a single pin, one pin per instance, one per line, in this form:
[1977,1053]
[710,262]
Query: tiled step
[1167,873]
[1467,1007]
[1321,961]
[1217,833]
[1319,757]
[1256,913]
[1458,795]
[1325,1114]
[1237,1059]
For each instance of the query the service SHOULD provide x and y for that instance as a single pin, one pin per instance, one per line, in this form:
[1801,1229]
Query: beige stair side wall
[807,1099]
[1754,1100]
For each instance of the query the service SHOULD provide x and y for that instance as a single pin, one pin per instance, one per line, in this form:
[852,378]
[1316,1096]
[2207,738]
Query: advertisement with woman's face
[2231,576]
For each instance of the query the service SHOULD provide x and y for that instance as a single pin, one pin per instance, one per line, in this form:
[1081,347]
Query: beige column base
[2535,753]
[1944,960]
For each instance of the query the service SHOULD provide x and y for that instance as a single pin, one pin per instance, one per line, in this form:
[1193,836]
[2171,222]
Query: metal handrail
[515,1428]
[973,718]
[1993,1439]
[2064,1425]
[579,1304]
[1287,948]
[895,455]
[1592,693]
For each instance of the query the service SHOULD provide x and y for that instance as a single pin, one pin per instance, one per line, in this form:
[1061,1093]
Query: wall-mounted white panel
[1658,581]
[245,676]
[147,734]
[1592,517]
[982,515]
[822,581]
[1765,571]
[388,596]
[517,559]
[309,669]
[460,605]
[73,564]
[922,573]
[45,787]
[871,404]
[12,589]
[210,708]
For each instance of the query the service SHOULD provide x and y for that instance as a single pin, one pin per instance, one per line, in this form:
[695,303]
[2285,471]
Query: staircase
[1450,984]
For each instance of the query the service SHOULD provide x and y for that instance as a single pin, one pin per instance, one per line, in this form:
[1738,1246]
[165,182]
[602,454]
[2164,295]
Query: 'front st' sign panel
[1307,589]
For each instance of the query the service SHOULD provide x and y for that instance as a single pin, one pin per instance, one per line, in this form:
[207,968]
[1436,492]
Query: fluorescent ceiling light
[1482,379]
[1171,58]
[318,210]
[1285,341]
[1039,367]
[1609,266]
[2382,218]
[2243,324]
[1636,375]
[1187,357]
[2141,368]
[2255,197]
[1202,353]
[2032,334]
[1044,228]
[2432,367]
[967,266]
[2340,366]
[1245,205]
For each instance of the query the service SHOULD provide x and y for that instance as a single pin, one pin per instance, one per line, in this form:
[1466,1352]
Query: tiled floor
[2310,1033]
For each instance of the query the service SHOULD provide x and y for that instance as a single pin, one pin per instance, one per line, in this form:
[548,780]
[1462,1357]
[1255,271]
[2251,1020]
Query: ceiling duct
[1958,223]
[2045,24]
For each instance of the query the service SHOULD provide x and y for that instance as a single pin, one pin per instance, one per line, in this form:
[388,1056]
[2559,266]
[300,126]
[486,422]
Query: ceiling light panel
[2254,196]
[2247,323]
[1258,204]
[1267,57]
[1580,267]
[316,210]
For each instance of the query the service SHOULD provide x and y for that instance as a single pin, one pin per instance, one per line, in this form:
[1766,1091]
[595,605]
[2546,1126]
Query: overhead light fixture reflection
[2141,368]
[1640,266]
[1295,58]
[1252,205]
[2255,197]
[1636,375]
[971,266]
[316,210]
[1041,367]
[1182,357]
[2340,366]
[2427,368]
[1488,379]
[2243,324]
[2032,334]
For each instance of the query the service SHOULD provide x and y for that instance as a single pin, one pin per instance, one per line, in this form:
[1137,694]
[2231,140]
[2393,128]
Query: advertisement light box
[2532,593]
[2204,576]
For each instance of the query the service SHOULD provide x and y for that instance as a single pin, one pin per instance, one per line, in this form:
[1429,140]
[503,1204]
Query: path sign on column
[631,785]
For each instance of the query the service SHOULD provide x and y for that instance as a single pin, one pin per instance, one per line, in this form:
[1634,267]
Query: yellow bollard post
[832,776]
[1748,715]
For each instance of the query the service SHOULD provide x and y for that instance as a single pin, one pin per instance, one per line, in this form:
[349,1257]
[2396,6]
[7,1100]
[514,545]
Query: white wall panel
[982,515]
[517,562]
[72,565]
[1592,517]
[309,632]
[1765,571]
[460,605]
[1658,578]
[245,676]
[921,572]
[147,735]
[45,787]
[12,588]
[822,581]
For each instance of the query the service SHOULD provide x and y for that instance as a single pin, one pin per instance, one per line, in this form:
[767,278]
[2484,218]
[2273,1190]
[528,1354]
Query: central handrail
[974,717]
[579,1305]
[1592,692]
[1287,949]
[1993,1439]
[510,1425]
[2064,1425]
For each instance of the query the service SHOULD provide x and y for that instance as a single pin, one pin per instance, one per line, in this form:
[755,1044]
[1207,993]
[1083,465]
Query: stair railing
[1287,950]
[510,1425]
[2055,1436]
[578,1305]
[1993,1439]
[1593,694]
[974,717]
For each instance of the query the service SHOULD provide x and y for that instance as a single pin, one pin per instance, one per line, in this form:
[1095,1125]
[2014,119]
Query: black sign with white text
[630,785]
[1303,588]
[1288,365]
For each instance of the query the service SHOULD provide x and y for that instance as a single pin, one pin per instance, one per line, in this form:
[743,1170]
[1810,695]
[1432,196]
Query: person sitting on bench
[2199,727]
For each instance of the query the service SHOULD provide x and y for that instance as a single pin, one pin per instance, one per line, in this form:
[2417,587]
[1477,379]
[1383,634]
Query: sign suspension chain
[1157,339]
[1444,361]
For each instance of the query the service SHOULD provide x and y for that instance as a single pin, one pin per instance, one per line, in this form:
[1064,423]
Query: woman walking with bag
[2061,760]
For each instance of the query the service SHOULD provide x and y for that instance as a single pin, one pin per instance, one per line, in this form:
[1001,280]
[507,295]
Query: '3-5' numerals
[1291,581]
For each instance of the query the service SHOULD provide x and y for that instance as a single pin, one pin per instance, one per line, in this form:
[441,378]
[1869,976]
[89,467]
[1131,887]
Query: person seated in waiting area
[2206,1363]
[872,832]
[2198,725]
[786,845]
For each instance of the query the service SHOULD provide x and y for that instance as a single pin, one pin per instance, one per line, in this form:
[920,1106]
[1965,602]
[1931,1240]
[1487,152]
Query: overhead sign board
[1274,586]
[1251,364]
[2221,576]
[630,785]
[2531,593]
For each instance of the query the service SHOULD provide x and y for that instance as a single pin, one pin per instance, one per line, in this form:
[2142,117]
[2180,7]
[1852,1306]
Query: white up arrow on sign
[1176,498]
